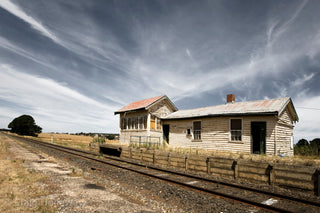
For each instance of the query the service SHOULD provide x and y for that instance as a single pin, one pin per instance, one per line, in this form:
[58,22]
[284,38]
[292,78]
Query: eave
[225,115]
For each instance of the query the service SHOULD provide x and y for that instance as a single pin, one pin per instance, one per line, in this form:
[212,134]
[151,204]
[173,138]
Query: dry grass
[74,141]
[20,189]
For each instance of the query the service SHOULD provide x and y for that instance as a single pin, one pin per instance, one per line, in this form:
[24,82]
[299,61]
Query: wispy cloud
[278,28]
[17,11]
[6,44]
[49,100]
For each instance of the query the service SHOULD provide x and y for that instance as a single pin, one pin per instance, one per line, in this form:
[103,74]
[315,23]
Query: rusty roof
[143,104]
[271,106]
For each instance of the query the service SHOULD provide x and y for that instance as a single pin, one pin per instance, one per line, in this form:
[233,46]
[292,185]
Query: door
[165,129]
[258,135]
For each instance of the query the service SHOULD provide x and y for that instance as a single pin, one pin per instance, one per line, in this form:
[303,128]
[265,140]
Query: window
[135,121]
[197,130]
[158,121]
[140,122]
[124,123]
[188,132]
[236,129]
[129,123]
[145,122]
[152,122]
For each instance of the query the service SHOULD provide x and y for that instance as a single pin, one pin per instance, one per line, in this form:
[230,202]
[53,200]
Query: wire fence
[145,140]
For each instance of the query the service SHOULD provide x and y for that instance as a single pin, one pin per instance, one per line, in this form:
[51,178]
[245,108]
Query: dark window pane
[236,124]
[197,125]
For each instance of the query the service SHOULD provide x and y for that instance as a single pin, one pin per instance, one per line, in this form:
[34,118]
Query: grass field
[75,141]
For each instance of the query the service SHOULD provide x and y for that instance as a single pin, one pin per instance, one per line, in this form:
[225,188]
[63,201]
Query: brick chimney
[231,98]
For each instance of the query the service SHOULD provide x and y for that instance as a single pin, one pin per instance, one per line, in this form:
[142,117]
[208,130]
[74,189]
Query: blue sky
[71,64]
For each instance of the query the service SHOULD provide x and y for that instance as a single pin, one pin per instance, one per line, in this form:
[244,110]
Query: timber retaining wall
[301,177]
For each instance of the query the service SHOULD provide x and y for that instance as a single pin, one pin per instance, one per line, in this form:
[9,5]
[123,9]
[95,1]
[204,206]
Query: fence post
[270,171]
[316,176]
[141,154]
[235,167]
[130,153]
[208,165]
[186,162]
[169,158]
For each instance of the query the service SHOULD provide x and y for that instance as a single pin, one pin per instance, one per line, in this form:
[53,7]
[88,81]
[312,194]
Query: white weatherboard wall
[215,134]
[284,132]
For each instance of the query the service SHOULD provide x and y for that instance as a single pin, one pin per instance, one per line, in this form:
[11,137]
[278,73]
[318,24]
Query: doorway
[258,134]
[166,129]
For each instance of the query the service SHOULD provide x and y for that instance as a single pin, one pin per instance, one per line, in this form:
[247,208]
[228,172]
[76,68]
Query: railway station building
[252,127]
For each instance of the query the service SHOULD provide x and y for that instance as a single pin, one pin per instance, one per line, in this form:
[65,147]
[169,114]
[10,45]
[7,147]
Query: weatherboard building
[253,127]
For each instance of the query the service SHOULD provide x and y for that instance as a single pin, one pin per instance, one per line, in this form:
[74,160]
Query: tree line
[307,148]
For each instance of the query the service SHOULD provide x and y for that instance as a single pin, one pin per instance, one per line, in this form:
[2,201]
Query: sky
[71,64]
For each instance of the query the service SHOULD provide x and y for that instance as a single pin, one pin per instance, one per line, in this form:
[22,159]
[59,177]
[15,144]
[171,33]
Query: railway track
[254,197]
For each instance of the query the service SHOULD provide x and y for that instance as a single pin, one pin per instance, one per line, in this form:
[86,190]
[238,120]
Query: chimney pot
[231,98]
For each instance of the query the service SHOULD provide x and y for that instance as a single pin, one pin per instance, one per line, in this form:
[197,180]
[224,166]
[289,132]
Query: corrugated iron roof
[139,104]
[271,106]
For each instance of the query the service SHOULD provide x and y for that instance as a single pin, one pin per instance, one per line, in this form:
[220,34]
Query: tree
[302,142]
[315,146]
[24,125]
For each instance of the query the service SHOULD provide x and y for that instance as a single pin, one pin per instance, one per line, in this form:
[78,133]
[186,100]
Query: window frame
[193,131]
[230,131]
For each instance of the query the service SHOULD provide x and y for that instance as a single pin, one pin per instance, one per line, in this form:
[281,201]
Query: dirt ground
[36,182]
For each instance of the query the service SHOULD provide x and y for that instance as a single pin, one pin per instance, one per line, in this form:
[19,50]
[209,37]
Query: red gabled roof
[139,104]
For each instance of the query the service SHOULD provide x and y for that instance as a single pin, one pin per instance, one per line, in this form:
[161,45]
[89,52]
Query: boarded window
[236,129]
[197,130]
[152,122]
